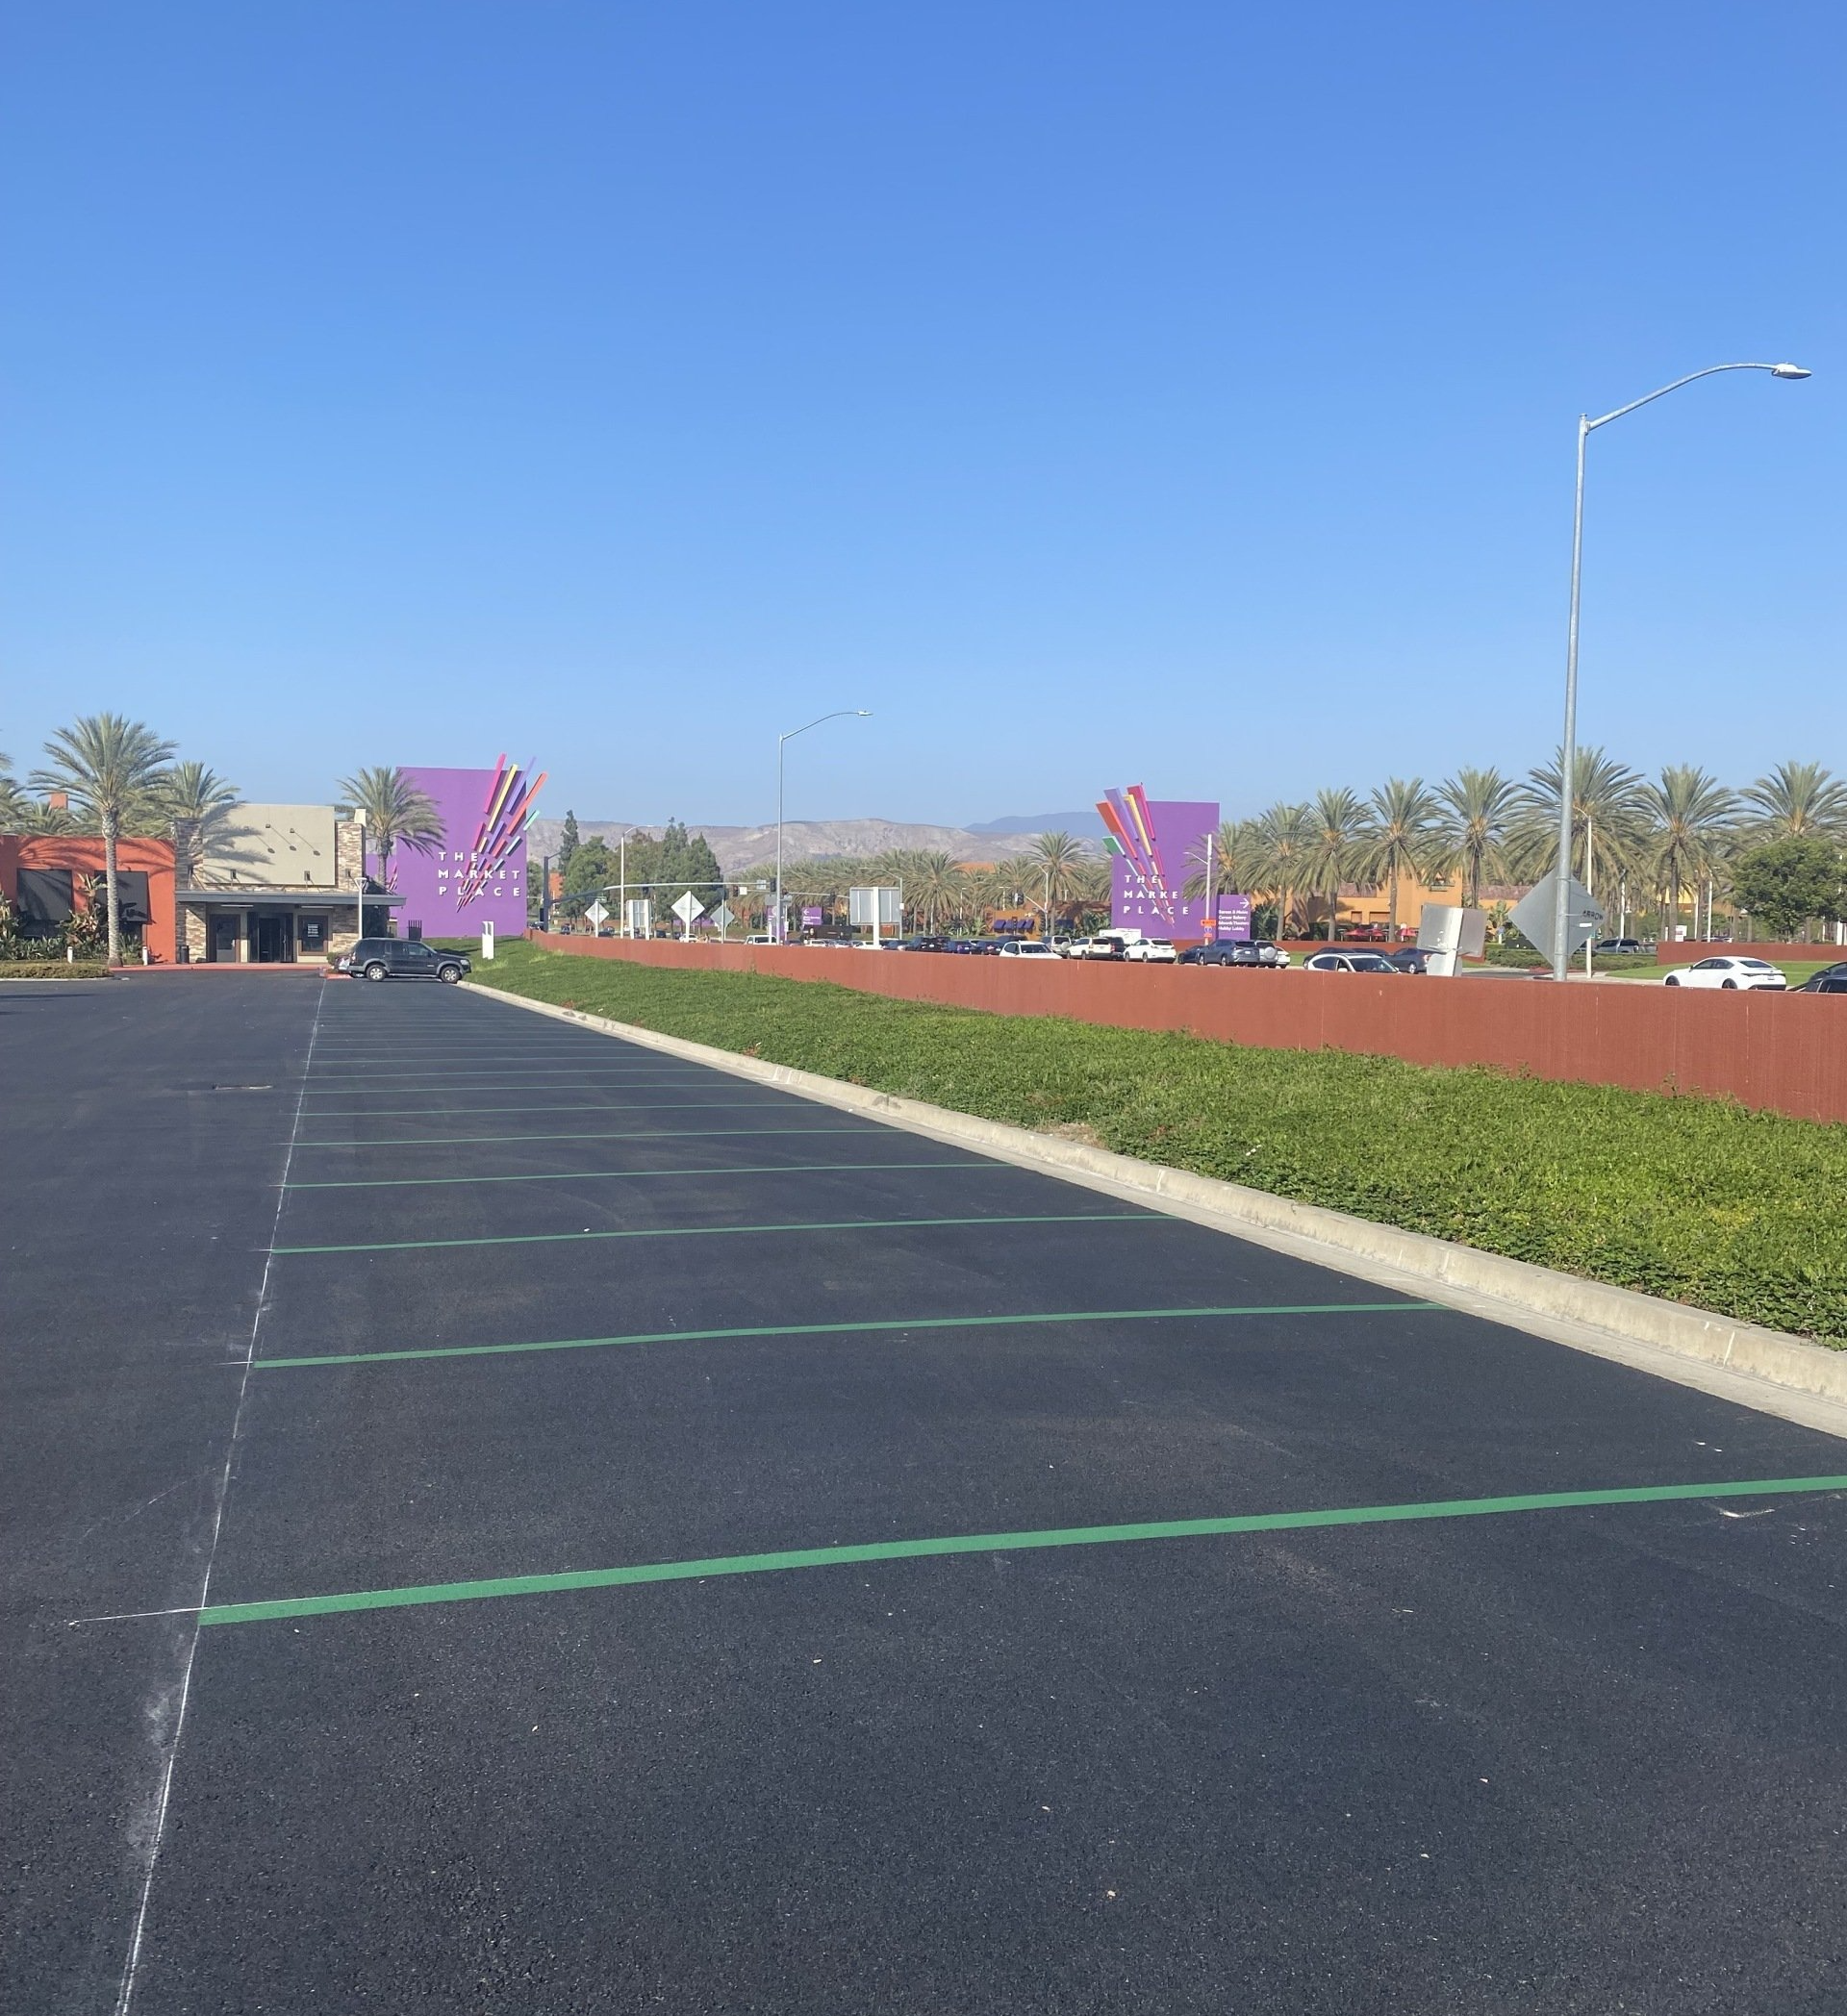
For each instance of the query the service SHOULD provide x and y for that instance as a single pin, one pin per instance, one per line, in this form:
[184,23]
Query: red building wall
[1786,1053]
[83,854]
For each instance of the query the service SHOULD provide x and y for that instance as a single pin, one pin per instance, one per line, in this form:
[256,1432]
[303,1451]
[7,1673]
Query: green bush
[53,970]
[1693,1199]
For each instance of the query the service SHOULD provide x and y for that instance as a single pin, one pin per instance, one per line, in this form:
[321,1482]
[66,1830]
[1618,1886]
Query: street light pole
[1568,754]
[779,934]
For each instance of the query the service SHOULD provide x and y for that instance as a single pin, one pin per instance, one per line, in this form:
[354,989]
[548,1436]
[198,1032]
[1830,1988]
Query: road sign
[596,913]
[639,916]
[687,907]
[872,905]
[723,918]
[1535,914]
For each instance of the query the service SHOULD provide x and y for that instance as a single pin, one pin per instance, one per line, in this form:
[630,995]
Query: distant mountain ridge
[810,840]
[1081,826]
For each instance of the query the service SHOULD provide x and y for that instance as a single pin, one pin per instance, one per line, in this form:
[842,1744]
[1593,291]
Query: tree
[568,842]
[1787,882]
[1798,802]
[112,770]
[198,804]
[594,866]
[1337,821]
[935,887]
[1055,860]
[1395,838]
[15,807]
[1691,814]
[398,814]
[1607,818]
[1280,847]
[1469,830]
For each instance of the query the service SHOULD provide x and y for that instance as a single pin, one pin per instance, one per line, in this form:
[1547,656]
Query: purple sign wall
[478,874]
[1165,850]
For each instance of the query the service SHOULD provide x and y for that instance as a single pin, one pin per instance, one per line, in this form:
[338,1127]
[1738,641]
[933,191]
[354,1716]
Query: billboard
[1156,847]
[477,874]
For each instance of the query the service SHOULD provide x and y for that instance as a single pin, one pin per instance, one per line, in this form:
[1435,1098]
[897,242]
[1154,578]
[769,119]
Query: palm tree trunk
[1393,907]
[110,828]
[1333,909]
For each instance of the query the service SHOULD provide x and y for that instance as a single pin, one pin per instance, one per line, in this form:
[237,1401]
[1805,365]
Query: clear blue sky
[1174,393]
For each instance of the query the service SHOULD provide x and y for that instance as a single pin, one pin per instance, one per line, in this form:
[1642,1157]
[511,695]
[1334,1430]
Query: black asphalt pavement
[687,1547]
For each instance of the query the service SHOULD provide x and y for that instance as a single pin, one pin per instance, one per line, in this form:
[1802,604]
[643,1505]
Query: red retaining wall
[1689,949]
[1783,1052]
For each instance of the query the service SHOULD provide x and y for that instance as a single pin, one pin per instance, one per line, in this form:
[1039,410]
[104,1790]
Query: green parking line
[579,1175]
[844,1224]
[441,1141]
[885,1326]
[630,1576]
[523,1106]
[625,1105]
[506,1071]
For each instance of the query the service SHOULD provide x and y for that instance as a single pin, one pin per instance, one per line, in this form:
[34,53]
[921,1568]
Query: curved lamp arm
[1776,370]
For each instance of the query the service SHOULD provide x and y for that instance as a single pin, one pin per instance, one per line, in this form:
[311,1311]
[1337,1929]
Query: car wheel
[1673,983]
[376,971]
[1730,986]
[448,974]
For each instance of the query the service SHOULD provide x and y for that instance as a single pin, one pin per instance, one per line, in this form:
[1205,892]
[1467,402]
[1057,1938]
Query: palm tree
[1055,858]
[15,807]
[1798,802]
[1692,814]
[112,770]
[1469,835]
[1281,846]
[1396,836]
[396,813]
[197,803]
[935,887]
[1608,816]
[1338,820]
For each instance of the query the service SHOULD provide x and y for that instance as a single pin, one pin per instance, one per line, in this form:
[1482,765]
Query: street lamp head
[1790,371]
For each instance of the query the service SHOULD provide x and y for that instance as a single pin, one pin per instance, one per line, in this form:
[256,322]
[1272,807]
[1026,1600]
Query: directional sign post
[597,914]
[686,908]
[722,917]
[1536,914]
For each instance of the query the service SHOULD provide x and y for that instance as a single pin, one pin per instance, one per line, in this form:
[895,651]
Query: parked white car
[1152,951]
[1347,962]
[1731,972]
[1028,948]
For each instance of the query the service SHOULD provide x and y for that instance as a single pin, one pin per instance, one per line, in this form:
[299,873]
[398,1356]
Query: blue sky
[1181,393]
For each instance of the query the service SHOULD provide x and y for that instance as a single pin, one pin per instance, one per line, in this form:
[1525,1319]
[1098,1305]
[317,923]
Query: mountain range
[809,840]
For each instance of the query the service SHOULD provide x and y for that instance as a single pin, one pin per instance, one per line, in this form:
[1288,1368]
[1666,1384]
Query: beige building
[275,883]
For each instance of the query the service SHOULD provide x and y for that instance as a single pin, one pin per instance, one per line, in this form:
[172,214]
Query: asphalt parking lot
[687,1547]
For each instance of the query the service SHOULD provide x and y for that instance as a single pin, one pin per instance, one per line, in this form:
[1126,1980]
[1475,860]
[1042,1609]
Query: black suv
[402,959]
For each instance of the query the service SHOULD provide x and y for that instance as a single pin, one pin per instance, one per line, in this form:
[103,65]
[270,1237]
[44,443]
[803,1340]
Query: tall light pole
[862,714]
[1568,755]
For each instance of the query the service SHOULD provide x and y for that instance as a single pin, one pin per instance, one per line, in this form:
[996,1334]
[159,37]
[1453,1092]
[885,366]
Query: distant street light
[862,714]
[1587,426]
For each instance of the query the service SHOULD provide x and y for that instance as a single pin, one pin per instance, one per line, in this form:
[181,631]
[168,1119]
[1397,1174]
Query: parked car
[923,942]
[1831,979]
[1618,945]
[402,959]
[1028,948]
[1106,945]
[1152,951]
[1732,972]
[1347,962]
[1270,952]
[1229,951]
[1409,959]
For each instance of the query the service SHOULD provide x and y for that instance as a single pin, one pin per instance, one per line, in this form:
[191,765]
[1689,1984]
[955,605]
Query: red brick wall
[1689,949]
[1783,1052]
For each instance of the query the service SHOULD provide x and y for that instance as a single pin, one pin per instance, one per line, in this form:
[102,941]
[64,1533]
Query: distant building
[49,878]
[274,885]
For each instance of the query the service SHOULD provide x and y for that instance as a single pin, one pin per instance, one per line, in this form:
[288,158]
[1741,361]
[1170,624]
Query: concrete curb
[1758,1367]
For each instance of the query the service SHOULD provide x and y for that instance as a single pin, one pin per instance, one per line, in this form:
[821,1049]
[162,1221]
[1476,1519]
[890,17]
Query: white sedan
[1152,951]
[1028,948]
[1729,973]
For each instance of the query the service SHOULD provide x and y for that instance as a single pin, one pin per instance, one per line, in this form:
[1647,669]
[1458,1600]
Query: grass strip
[840,1224]
[894,1324]
[281,1608]
[1697,1199]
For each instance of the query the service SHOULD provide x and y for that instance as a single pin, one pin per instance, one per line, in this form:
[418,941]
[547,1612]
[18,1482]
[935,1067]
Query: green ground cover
[54,969]
[1744,1213]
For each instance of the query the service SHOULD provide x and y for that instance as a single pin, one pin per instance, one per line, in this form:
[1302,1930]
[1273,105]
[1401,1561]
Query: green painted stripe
[889,1325]
[441,1141]
[580,1175]
[523,1106]
[988,1544]
[844,1224]
[505,1070]
[575,1106]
